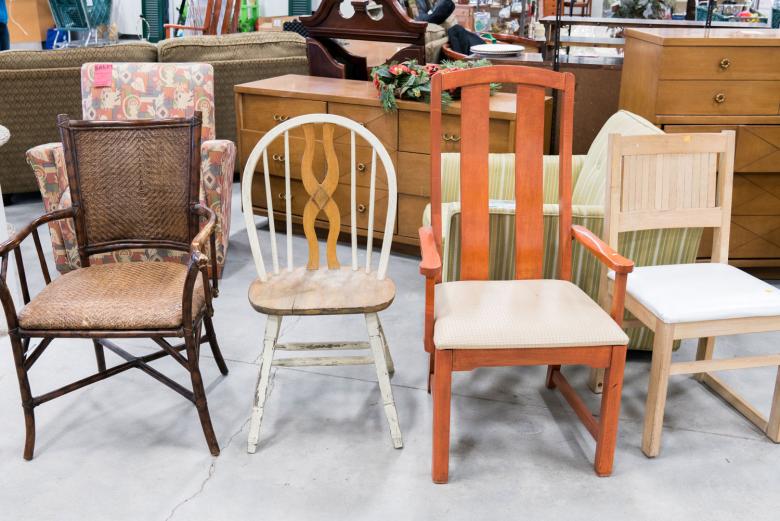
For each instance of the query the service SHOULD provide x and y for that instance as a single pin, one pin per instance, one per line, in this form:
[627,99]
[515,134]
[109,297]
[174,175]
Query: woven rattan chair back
[133,183]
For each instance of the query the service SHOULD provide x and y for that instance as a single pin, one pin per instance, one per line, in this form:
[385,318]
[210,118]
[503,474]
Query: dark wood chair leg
[442,395]
[610,412]
[199,392]
[550,371]
[100,356]
[214,345]
[26,394]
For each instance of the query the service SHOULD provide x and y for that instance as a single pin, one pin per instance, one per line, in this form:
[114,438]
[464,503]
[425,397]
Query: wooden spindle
[371,199]
[353,201]
[270,206]
[288,200]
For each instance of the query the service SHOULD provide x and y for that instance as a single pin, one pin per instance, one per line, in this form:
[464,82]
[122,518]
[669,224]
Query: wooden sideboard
[697,80]
[260,105]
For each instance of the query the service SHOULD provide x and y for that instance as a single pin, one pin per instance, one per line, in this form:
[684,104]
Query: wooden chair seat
[323,291]
[120,296]
[510,314]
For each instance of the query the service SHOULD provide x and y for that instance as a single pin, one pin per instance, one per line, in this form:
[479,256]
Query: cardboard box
[28,20]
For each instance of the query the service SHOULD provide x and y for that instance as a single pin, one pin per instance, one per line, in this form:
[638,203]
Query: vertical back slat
[269,201]
[435,145]
[720,237]
[564,181]
[288,200]
[475,232]
[529,183]
[371,199]
[353,200]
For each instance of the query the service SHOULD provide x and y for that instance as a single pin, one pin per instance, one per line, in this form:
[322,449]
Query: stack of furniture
[694,80]
[38,85]
[261,105]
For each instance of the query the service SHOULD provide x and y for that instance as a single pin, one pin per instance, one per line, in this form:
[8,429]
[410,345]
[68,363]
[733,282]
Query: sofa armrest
[218,157]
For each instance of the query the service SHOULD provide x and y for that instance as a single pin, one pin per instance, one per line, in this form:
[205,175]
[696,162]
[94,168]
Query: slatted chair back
[133,184]
[671,181]
[230,16]
[324,180]
[474,85]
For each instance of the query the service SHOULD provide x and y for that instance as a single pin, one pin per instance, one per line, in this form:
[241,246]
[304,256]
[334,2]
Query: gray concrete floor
[130,449]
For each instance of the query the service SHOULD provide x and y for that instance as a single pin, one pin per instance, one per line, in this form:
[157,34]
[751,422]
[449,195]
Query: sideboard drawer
[410,214]
[265,112]
[413,173]
[383,124]
[757,147]
[415,130]
[718,98]
[720,63]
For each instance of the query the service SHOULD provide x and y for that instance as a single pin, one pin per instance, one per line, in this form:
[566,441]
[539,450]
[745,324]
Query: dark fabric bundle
[461,40]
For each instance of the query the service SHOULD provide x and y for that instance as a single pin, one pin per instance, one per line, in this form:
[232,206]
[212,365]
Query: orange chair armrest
[430,266]
[612,259]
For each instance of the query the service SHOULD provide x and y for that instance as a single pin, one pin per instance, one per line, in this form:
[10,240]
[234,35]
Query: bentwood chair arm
[32,226]
[198,259]
[613,260]
[13,245]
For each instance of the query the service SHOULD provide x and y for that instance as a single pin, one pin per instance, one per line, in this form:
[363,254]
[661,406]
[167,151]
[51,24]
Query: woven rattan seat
[120,296]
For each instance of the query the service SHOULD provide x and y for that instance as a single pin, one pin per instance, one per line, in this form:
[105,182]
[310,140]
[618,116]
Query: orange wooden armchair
[475,322]
[211,19]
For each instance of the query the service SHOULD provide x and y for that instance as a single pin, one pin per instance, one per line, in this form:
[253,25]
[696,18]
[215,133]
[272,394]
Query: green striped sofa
[589,175]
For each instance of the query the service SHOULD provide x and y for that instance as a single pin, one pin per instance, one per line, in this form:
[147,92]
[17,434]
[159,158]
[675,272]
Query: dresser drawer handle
[361,208]
[725,63]
[361,167]
[278,157]
[450,137]
[281,117]
[281,195]
[719,98]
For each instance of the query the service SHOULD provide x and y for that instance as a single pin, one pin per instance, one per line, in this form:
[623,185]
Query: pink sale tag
[103,74]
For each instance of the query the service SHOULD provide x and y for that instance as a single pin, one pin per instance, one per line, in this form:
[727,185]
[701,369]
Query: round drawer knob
[719,98]
[282,195]
[361,208]
[725,63]
[361,167]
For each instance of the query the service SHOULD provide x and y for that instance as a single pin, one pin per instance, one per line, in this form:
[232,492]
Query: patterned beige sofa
[589,175]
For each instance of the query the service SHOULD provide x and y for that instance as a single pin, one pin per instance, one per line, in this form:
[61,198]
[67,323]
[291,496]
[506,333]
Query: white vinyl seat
[679,293]
[510,314]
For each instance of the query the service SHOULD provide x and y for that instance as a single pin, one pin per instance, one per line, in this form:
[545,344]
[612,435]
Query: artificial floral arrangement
[410,80]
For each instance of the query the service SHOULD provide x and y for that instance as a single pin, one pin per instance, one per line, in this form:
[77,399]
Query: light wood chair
[313,290]
[475,322]
[683,181]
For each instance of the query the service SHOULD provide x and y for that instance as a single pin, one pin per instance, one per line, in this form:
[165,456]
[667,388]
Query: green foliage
[409,80]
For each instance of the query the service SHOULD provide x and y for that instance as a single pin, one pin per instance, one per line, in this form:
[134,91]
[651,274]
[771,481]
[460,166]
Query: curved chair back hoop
[531,84]
[320,193]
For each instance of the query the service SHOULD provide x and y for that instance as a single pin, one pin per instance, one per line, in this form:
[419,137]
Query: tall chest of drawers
[405,133]
[697,80]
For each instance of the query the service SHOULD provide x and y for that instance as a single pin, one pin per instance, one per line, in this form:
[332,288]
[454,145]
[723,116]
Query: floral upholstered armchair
[127,91]
[645,248]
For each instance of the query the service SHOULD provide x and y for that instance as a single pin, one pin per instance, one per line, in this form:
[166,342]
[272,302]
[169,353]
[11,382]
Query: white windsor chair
[312,290]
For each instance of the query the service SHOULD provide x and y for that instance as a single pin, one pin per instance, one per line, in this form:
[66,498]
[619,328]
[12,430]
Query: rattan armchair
[111,166]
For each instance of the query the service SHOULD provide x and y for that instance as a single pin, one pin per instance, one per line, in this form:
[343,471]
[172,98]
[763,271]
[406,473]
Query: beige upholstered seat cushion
[118,296]
[520,314]
[321,292]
